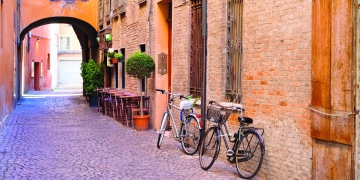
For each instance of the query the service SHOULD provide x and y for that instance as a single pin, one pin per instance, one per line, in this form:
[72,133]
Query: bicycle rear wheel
[190,135]
[209,148]
[162,129]
[249,154]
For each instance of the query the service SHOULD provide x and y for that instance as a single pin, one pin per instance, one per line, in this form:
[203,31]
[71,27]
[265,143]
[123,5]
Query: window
[143,84]
[101,12]
[64,44]
[234,50]
[123,68]
[48,62]
[196,48]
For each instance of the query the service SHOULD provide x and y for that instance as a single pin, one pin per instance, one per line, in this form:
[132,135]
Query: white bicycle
[190,129]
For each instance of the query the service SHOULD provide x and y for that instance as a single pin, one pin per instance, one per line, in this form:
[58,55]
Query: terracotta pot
[141,123]
[113,60]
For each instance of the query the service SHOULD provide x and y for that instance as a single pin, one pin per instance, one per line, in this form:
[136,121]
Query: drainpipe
[150,27]
[204,37]
[17,90]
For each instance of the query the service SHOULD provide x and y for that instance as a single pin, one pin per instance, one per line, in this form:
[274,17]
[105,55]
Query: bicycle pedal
[168,128]
[230,153]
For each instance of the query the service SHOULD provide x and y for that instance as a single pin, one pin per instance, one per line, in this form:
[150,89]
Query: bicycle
[248,148]
[190,129]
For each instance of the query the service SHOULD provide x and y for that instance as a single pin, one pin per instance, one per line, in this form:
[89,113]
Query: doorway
[37,76]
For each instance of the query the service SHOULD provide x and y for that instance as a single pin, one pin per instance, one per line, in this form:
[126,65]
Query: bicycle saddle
[245,120]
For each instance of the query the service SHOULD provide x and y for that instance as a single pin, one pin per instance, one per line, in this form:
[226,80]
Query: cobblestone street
[60,137]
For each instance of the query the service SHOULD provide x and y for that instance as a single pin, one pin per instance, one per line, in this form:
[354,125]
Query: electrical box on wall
[162,63]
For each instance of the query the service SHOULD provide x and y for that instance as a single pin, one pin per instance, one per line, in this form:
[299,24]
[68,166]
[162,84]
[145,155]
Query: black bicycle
[247,150]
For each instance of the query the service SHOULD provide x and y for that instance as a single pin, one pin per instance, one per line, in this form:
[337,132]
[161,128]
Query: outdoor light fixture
[38,39]
[98,39]
[108,37]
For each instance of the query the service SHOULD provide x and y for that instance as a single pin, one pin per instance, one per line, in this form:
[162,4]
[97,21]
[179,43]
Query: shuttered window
[234,50]
[196,48]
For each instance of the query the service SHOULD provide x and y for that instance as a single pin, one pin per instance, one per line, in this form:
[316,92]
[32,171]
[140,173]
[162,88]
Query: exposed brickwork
[276,71]
[276,81]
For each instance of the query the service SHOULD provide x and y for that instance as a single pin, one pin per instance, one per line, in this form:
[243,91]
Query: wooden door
[332,125]
[37,76]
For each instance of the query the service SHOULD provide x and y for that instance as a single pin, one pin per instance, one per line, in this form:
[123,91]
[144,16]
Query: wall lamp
[38,39]
[108,37]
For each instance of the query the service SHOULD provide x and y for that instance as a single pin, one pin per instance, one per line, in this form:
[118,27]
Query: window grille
[196,48]
[101,12]
[64,44]
[107,10]
[234,50]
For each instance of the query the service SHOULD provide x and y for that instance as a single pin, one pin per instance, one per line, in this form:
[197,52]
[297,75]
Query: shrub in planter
[93,76]
[140,65]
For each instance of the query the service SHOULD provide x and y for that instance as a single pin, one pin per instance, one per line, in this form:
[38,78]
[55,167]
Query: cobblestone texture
[63,138]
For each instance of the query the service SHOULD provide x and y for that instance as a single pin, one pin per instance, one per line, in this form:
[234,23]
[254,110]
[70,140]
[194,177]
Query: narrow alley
[61,137]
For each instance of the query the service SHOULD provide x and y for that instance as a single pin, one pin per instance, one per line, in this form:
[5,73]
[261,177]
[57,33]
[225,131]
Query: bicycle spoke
[209,149]
[190,135]
[248,156]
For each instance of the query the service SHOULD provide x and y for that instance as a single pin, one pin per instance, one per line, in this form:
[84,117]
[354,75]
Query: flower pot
[141,123]
[113,60]
[93,101]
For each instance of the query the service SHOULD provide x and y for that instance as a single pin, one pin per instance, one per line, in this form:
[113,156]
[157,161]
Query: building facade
[293,63]
[9,66]
[37,63]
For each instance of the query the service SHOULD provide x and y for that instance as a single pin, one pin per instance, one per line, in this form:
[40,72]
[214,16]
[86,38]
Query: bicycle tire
[190,135]
[209,148]
[249,154]
[162,129]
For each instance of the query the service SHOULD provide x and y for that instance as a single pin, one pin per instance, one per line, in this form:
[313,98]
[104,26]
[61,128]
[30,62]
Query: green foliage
[118,56]
[93,76]
[110,54]
[140,65]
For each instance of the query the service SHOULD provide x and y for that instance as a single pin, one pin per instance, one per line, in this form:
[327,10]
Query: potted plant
[111,57]
[140,65]
[93,77]
[118,56]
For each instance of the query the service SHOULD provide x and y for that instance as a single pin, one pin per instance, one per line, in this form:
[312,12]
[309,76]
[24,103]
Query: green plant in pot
[118,56]
[93,77]
[140,65]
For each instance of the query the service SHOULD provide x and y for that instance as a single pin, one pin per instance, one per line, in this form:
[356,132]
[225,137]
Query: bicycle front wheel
[190,135]
[249,155]
[209,148]
[162,129]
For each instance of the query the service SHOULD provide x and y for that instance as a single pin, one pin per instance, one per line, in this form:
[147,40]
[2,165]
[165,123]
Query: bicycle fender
[260,138]
[194,116]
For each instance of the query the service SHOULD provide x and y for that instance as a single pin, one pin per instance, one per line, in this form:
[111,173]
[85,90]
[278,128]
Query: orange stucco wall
[161,45]
[7,59]
[40,9]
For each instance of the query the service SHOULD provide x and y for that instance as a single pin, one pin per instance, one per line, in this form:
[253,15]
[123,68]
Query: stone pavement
[60,137]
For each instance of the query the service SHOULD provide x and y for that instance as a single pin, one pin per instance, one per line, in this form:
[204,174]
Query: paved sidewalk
[60,137]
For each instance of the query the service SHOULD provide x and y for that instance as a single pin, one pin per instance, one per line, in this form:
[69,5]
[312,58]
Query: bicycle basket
[213,113]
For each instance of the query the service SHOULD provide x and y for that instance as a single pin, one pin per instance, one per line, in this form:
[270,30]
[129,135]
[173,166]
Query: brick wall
[276,83]
[276,70]
[276,75]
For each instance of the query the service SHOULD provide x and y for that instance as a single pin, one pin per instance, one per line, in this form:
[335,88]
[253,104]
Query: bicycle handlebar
[227,107]
[172,94]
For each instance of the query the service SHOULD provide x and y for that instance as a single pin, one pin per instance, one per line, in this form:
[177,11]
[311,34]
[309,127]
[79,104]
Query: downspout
[203,93]
[150,29]
[18,57]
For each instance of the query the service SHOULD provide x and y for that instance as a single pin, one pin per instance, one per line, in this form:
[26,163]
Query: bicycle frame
[168,110]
